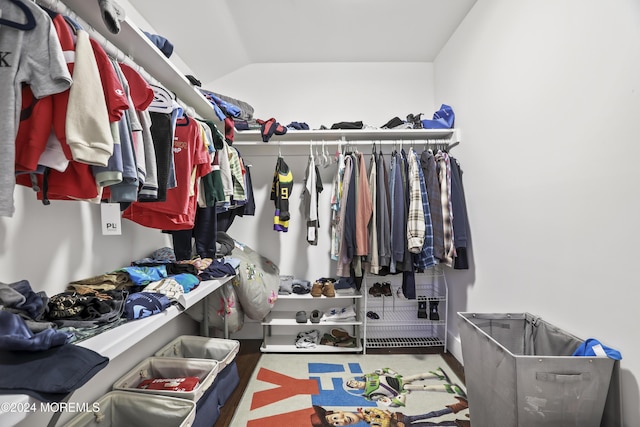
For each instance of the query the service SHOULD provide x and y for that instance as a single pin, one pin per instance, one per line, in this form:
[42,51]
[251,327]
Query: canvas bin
[120,408]
[224,352]
[170,367]
[520,372]
[196,347]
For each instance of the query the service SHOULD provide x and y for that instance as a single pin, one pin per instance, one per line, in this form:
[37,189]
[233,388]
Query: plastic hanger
[326,160]
[31,20]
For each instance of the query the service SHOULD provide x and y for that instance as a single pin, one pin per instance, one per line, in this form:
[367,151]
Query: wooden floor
[249,355]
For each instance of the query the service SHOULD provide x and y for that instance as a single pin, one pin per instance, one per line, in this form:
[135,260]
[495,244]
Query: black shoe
[433,310]
[422,309]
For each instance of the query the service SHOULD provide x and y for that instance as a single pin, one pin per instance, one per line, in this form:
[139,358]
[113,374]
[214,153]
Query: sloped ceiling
[214,38]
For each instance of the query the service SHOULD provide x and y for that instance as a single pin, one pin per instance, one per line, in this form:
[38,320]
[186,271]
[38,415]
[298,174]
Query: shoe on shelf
[315,317]
[308,339]
[373,315]
[375,290]
[316,289]
[433,311]
[328,339]
[349,342]
[342,338]
[385,289]
[422,309]
[301,317]
[340,334]
[329,290]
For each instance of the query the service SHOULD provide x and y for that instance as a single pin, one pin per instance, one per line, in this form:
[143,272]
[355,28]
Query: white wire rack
[395,321]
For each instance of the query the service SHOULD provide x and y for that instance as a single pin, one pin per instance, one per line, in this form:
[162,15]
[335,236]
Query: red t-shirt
[114,94]
[140,91]
[192,161]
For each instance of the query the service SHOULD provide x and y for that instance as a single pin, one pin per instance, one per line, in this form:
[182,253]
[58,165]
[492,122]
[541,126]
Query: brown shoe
[385,289]
[329,290]
[340,334]
[316,289]
[375,290]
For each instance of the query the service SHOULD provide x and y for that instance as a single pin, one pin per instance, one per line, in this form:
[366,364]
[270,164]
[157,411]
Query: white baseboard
[454,347]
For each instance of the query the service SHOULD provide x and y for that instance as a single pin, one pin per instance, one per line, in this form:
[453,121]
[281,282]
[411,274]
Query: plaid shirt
[425,259]
[415,219]
[444,174]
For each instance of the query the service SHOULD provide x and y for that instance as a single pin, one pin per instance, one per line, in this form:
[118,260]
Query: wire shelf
[404,342]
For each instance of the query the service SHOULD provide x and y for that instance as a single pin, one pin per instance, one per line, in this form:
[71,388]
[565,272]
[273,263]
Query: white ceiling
[216,37]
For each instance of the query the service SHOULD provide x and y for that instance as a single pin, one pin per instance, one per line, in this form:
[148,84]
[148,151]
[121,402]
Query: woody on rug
[322,390]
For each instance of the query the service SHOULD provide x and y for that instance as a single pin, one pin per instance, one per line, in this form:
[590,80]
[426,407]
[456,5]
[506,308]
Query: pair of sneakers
[338,338]
[308,339]
[323,287]
[380,289]
[301,316]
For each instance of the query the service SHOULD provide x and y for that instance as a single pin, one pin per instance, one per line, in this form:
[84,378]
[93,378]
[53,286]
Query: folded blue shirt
[16,335]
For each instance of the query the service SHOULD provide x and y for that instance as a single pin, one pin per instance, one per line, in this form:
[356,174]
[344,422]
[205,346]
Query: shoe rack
[284,324]
[392,320]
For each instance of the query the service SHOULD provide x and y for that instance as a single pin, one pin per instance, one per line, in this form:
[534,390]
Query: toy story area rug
[322,390]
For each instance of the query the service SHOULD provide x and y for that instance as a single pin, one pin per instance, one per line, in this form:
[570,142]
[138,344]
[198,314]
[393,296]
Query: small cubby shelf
[280,327]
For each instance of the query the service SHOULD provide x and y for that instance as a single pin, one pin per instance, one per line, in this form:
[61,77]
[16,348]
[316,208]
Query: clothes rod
[109,48]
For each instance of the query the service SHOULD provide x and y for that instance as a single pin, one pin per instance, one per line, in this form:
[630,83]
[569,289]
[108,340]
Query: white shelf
[321,298]
[288,318]
[137,46]
[116,341]
[283,344]
[251,137]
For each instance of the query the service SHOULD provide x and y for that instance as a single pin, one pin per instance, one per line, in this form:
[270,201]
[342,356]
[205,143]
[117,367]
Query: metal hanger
[31,20]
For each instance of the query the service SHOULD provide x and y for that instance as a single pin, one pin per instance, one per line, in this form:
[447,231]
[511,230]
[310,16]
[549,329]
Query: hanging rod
[109,47]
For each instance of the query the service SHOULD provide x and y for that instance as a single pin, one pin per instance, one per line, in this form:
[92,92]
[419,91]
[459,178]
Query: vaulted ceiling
[217,37]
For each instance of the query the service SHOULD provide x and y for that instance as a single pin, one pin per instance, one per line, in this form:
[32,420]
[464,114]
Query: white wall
[52,245]
[326,93]
[547,96]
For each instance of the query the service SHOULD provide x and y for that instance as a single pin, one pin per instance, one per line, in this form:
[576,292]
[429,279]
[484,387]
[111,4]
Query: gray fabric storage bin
[170,367]
[520,372]
[197,347]
[122,408]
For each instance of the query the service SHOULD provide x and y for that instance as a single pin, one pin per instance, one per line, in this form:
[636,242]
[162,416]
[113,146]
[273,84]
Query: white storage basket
[170,367]
[196,347]
[120,408]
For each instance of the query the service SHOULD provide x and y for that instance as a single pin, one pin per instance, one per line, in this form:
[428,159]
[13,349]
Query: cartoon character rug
[322,390]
